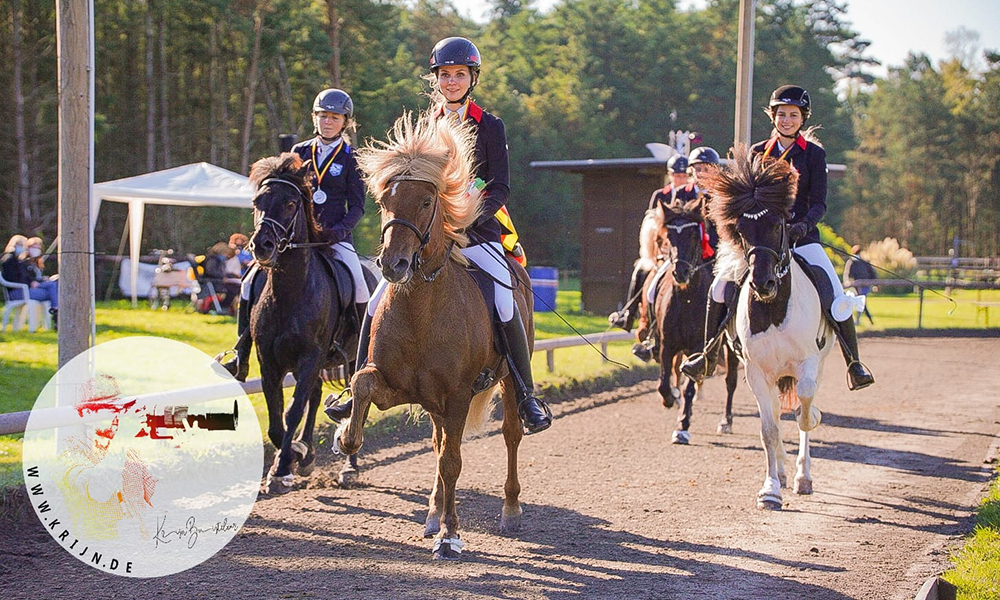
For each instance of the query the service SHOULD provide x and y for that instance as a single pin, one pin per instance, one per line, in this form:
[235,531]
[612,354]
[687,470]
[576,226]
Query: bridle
[285,233]
[782,258]
[424,236]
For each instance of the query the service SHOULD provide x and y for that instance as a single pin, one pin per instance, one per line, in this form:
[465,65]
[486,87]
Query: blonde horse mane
[648,248]
[439,150]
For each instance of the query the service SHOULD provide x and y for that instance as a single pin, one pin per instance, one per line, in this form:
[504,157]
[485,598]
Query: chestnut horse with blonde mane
[432,338]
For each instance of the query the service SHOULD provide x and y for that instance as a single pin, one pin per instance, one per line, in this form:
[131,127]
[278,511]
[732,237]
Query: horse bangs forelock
[439,150]
[751,184]
[690,210]
[285,166]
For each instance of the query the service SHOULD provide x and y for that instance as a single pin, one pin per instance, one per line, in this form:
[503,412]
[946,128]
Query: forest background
[181,81]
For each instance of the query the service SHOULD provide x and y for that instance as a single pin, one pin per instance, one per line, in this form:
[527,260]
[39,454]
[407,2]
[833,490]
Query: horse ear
[306,173]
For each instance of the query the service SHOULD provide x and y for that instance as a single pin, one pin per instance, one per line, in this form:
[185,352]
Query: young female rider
[789,109]
[455,64]
[680,189]
[338,204]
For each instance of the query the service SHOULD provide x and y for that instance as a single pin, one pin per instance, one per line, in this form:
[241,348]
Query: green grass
[976,571]
[27,360]
[893,312]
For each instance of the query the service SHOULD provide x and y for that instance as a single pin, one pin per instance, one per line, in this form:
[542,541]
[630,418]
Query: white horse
[779,324]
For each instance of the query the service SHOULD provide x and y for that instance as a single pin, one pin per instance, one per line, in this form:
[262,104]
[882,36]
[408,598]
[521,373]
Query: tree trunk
[258,29]
[150,93]
[22,205]
[164,93]
[273,122]
[335,21]
[285,88]
[213,93]
[224,133]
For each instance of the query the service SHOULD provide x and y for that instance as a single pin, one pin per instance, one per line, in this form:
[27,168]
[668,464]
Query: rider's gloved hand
[797,231]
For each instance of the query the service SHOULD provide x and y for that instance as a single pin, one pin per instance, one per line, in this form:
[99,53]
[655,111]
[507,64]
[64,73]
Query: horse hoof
[432,527]
[305,470]
[725,428]
[348,476]
[510,524]
[668,401]
[448,548]
[803,487]
[279,485]
[769,503]
[681,437]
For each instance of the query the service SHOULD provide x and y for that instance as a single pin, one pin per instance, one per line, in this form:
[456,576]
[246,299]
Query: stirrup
[221,356]
[850,382]
[643,350]
[332,406]
[545,408]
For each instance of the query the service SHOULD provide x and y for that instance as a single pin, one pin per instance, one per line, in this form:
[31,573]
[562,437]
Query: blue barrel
[545,283]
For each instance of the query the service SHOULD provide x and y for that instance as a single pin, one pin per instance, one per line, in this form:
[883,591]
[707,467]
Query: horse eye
[290,204]
[427,202]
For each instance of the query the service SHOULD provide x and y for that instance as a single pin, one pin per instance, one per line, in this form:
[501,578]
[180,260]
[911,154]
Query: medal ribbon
[770,147]
[319,175]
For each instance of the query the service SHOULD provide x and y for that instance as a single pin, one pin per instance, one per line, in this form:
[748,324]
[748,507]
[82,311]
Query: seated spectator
[238,264]
[26,267]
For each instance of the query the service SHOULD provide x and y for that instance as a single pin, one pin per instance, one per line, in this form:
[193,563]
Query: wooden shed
[616,193]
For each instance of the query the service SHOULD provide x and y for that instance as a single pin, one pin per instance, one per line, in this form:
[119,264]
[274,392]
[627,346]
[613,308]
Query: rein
[424,236]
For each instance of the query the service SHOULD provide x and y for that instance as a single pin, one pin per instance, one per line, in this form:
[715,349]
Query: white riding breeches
[490,260]
[346,254]
[815,256]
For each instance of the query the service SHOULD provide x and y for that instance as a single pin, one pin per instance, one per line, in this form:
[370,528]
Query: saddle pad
[342,279]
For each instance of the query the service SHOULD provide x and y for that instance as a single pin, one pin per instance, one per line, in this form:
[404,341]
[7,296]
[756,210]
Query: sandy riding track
[613,510]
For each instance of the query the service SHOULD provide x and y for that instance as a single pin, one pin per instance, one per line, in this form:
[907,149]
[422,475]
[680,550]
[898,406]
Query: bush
[828,236]
[888,254]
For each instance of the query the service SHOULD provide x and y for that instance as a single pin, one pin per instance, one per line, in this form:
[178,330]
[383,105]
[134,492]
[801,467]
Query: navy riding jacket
[667,195]
[492,166]
[344,189]
[809,160]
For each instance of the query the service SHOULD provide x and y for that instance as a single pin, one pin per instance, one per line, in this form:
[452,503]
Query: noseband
[424,236]
[782,258]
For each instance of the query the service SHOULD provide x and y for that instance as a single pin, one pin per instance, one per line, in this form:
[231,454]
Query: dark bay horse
[783,335]
[298,313]
[681,292]
[432,340]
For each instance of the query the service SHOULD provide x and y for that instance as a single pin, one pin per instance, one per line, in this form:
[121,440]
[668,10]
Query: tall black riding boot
[535,414]
[338,411]
[702,364]
[858,376]
[239,365]
[625,318]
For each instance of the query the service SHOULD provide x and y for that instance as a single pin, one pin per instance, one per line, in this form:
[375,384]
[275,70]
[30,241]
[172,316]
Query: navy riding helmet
[703,154]
[677,164]
[457,51]
[791,95]
[335,101]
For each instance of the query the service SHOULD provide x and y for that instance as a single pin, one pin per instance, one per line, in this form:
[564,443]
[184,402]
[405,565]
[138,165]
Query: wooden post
[550,360]
[920,310]
[74,41]
[744,72]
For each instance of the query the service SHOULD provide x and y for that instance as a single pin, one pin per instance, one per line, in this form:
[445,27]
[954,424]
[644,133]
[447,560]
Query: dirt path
[613,510]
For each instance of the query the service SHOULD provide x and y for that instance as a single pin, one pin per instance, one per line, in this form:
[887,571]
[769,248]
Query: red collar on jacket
[474,112]
[771,143]
[688,188]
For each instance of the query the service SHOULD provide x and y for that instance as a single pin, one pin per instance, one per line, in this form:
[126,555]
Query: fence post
[550,359]
[920,311]
[604,351]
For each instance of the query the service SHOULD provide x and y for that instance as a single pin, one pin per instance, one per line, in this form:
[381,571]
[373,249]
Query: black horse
[679,311]
[301,313]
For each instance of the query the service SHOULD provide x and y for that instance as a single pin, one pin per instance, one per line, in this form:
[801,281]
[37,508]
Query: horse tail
[648,249]
[786,393]
[479,411]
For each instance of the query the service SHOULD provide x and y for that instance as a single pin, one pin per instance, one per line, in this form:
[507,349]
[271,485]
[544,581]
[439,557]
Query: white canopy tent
[198,184]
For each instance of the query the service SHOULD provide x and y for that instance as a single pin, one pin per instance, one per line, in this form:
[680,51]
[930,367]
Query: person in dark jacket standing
[338,205]
[858,268]
[790,108]
[455,65]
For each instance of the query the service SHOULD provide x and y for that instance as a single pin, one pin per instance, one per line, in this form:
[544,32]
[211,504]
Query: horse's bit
[782,260]
[424,236]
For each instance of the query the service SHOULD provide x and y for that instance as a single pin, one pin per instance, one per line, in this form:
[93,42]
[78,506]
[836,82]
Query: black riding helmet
[791,95]
[677,164]
[703,154]
[335,101]
[457,51]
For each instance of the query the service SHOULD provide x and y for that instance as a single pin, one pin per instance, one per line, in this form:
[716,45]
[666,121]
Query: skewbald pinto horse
[432,342]
[779,322]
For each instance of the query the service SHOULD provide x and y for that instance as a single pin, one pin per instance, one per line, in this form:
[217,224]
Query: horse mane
[751,184]
[691,210]
[289,166]
[440,150]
